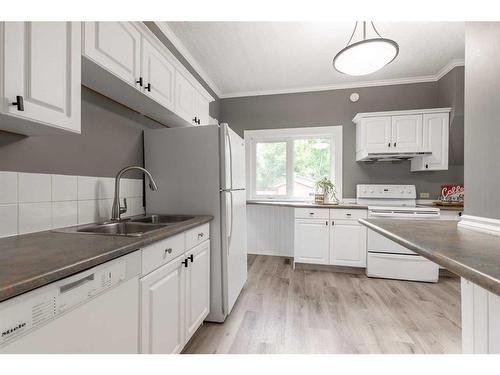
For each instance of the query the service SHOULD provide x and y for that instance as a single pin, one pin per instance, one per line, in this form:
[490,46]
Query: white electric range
[386,258]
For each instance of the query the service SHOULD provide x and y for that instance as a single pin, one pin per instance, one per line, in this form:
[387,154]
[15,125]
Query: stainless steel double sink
[134,226]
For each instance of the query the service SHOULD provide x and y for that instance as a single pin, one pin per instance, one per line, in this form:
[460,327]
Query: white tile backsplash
[8,187]
[64,188]
[87,187]
[64,214]
[105,188]
[8,219]
[34,187]
[31,202]
[35,217]
[87,211]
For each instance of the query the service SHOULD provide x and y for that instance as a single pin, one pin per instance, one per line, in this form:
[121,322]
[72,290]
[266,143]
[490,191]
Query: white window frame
[288,135]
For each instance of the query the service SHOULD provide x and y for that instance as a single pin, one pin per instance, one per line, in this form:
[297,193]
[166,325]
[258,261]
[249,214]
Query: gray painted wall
[482,119]
[334,108]
[451,94]
[111,139]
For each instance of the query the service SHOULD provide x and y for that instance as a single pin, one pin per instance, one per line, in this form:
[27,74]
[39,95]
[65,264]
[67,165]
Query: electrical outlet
[424,195]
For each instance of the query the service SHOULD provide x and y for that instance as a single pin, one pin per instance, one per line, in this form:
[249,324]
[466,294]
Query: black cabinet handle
[333,222]
[19,103]
[427,166]
[394,144]
[191,258]
[185,262]
[148,87]
[139,81]
[389,144]
[198,122]
[326,222]
[195,120]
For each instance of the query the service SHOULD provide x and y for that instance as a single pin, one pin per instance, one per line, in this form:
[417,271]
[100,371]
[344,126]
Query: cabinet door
[158,75]
[184,98]
[436,138]
[162,309]
[197,287]
[348,243]
[407,133]
[311,241]
[376,134]
[116,47]
[201,109]
[43,65]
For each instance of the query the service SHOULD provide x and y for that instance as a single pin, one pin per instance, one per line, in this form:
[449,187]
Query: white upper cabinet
[115,46]
[375,134]
[158,75]
[406,133]
[201,109]
[184,98]
[126,62]
[41,67]
[436,140]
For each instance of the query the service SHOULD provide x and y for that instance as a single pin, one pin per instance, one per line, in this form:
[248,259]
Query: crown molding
[449,67]
[351,85]
[167,31]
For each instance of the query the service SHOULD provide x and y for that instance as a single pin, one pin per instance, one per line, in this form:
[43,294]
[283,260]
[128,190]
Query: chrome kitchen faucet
[117,210]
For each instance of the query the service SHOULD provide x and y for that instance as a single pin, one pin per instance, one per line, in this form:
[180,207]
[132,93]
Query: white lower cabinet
[162,309]
[311,241]
[175,298]
[480,320]
[337,238]
[197,288]
[348,243]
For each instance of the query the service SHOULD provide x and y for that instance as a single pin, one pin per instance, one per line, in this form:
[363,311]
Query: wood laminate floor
[308,311]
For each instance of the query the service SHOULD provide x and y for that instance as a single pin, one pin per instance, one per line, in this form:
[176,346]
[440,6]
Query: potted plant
[325,191]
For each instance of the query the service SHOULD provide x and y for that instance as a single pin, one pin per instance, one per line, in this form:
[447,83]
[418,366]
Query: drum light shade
[366,56]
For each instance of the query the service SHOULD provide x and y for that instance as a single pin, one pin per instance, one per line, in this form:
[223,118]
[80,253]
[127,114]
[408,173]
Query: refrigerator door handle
[229,211]
[230,158]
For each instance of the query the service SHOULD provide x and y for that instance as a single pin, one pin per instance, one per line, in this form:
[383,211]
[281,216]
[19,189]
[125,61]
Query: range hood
[391,156]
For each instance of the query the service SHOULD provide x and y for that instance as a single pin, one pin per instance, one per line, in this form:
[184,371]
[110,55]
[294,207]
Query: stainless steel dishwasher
[94,311]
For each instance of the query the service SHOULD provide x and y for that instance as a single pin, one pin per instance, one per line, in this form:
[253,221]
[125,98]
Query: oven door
[376,243]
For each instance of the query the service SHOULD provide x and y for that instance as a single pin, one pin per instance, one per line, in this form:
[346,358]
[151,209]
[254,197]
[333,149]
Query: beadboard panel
[270,230]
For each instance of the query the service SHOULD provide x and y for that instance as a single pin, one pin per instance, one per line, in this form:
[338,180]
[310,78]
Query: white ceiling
[254,58]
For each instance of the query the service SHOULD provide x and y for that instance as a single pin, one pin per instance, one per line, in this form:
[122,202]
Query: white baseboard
[480,224]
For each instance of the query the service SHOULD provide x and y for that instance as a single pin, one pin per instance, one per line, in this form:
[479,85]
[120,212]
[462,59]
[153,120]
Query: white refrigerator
[201,170]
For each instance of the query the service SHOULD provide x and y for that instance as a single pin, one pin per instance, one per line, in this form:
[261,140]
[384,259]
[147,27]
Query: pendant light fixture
[365,56]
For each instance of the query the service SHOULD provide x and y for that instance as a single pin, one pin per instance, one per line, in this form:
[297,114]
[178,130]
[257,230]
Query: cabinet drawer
[197,235]
[342,213]
[312,213]
[402,267]
[161,252]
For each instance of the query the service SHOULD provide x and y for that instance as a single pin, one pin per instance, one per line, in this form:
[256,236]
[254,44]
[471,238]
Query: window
[285,163]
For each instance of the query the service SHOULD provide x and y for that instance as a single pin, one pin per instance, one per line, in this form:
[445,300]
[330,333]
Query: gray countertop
[472,255]
[308,205]
[346,205]
[32,260]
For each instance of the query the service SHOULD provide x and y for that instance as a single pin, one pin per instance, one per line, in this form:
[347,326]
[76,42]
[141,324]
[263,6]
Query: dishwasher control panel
[33,309]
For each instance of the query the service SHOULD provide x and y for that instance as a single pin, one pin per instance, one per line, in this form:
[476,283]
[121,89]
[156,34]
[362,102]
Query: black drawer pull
[19,103]
[191,258]
[185,262]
